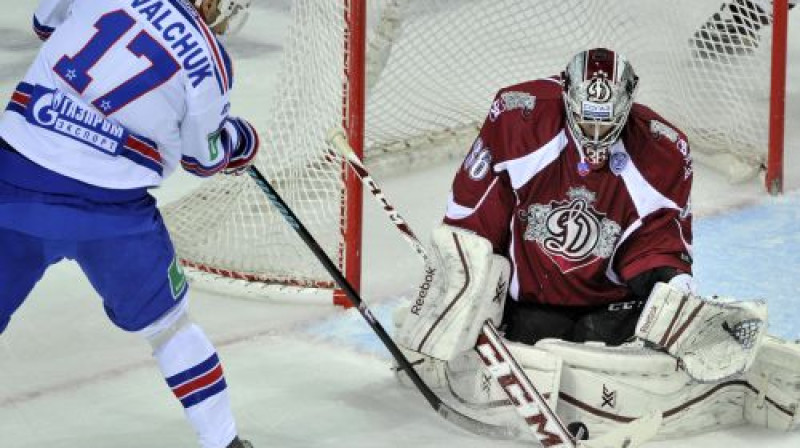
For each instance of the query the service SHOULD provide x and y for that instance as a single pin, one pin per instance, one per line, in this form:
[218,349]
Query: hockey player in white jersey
[120,94]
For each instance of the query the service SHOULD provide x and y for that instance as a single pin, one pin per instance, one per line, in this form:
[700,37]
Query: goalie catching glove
[466,288]
[714,338]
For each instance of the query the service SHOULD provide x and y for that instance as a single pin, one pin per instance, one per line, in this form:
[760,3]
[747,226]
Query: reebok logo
[422,293]
[649,320]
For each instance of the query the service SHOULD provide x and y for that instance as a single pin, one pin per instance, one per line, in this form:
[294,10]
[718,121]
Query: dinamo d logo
[572,233]
[599,90]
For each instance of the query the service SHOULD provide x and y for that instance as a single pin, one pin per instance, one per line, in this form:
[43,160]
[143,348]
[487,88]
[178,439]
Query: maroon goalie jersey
[574,239]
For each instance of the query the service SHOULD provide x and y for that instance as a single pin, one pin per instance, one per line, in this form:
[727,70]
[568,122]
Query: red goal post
[411,81]
[777,107]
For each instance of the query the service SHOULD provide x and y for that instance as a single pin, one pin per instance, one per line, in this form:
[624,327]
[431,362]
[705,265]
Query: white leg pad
[430,370]
[604,387]
[470,381]
[774,401]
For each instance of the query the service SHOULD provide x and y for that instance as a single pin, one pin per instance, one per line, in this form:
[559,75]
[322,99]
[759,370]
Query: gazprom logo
[55,111]
[44,108]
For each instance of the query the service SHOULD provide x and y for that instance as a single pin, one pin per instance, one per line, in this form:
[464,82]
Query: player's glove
[245,146]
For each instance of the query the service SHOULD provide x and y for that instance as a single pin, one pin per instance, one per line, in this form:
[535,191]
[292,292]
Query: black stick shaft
[448,413]
[340,280]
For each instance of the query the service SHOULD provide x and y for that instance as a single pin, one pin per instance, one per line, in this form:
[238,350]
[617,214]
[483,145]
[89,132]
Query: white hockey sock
[192,369]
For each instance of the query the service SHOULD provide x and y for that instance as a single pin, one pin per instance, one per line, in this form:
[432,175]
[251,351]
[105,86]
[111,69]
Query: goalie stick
[465,422]
[543,423]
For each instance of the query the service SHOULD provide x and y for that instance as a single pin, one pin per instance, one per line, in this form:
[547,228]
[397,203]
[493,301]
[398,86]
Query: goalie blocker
[704,362]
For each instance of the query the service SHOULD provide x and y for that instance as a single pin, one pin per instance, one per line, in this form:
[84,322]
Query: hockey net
[433,67]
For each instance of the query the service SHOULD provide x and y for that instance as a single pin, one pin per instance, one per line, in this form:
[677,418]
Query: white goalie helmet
[231,15]
[599,85]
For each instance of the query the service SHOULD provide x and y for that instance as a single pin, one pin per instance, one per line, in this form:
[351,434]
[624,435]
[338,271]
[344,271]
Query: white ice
[310,375]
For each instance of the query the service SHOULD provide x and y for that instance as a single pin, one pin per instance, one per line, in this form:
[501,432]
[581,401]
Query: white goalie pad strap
[542,367]
[466,378]
[455,299]
[715,338]
[430,370]
[684,283]
[774,379]
[470,382]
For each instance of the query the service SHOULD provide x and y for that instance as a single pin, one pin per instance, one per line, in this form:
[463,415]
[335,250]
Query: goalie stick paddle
[538,415]
[541,420]
[465,422]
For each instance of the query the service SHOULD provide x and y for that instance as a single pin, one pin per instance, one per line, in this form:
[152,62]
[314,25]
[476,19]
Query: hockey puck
[578,430]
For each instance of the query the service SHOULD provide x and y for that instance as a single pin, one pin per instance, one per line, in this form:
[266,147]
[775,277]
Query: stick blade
[337,138]
[630,435]
[477,427]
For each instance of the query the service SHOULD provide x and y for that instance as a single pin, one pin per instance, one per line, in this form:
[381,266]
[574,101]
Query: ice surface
[311,375]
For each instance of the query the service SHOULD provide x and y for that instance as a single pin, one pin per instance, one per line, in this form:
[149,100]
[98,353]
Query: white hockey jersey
[122,91]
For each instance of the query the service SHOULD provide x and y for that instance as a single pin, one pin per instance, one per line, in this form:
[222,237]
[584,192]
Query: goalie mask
[599,85]
[224,17]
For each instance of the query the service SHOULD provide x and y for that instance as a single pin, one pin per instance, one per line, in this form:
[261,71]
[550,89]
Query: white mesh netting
[434,66]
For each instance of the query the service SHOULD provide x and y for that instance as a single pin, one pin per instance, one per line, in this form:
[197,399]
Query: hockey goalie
[569,227]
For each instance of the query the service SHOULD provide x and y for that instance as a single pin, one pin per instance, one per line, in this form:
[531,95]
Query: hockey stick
[539,417]
[448,413]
